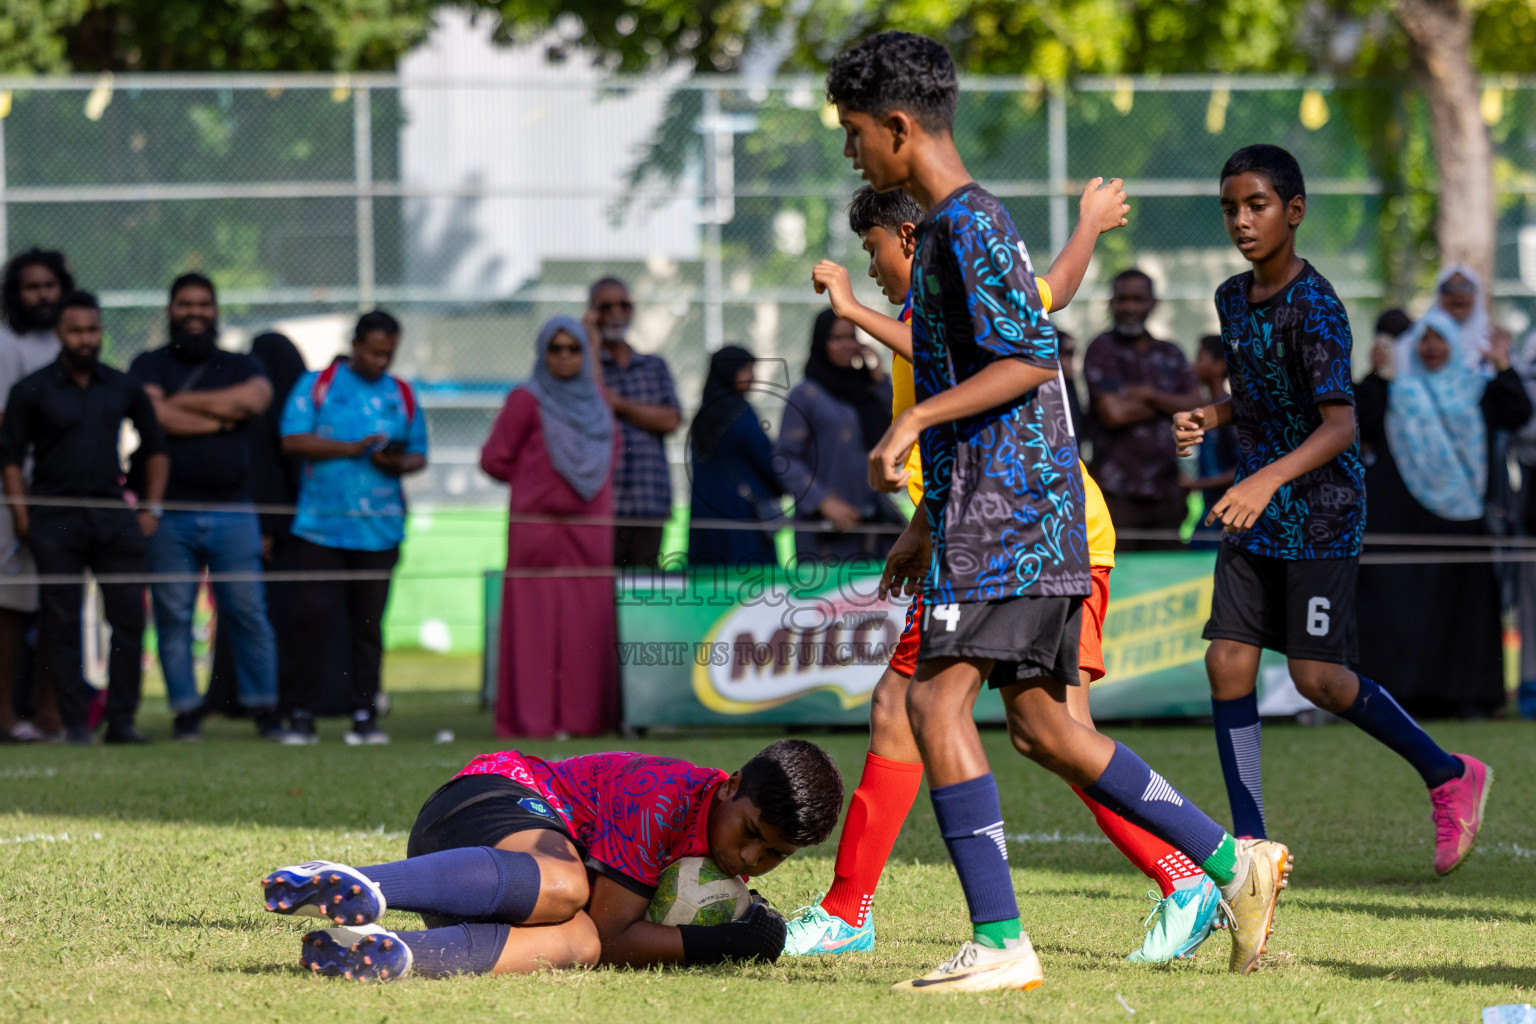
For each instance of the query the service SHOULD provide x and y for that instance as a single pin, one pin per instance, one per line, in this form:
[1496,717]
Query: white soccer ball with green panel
[694,891]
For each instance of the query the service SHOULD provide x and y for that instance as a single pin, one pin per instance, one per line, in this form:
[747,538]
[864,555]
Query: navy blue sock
[1237,741]
[970,819]
[1384,719]
[456,949]
[476,883]
[1140,795]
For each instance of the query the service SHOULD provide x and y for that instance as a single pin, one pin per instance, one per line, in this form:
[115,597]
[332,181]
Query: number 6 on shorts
[1317,616]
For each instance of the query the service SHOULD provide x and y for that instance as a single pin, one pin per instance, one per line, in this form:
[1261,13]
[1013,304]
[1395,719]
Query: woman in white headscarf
[1459,294]
[1434,630]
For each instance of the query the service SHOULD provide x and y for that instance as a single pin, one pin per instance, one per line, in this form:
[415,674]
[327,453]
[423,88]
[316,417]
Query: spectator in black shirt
[67,417]
[205,397]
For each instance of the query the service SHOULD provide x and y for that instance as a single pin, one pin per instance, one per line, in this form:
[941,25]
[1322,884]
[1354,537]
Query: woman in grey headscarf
[555,443]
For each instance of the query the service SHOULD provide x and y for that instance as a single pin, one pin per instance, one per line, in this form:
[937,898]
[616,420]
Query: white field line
[377,833]
[44,837]
[28,773]
[1053,837]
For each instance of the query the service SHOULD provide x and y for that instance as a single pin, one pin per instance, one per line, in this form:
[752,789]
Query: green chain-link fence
[474,209]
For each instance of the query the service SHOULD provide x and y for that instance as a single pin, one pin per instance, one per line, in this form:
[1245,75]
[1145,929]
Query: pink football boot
[1458,813]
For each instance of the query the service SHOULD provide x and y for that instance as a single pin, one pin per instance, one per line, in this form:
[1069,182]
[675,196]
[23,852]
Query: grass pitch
[128,889]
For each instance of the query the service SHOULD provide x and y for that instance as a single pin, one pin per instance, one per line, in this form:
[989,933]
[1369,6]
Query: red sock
[880,804]
[1155,858]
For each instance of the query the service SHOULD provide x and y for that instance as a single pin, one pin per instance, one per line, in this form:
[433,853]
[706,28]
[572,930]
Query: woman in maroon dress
[555,444]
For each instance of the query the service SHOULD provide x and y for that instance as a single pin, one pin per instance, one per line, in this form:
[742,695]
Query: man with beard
[34,283]
[1135,384]
[66,417]
[642,395]
[203,397]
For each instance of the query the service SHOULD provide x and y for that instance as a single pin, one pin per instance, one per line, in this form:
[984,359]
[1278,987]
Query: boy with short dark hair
[512,841]
[1285,576]
[843,920]
[1001,540]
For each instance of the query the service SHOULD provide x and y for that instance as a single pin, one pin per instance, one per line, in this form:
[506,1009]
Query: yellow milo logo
[1157,630]
[765,654]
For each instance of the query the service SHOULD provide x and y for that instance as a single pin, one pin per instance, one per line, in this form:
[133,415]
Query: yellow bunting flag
[1216,110]
[1314,110]
[101,95]
[1491,106]
[1124,96]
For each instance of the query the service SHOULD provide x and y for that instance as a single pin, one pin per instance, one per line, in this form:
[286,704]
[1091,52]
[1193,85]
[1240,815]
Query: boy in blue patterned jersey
[1285,576]
[1001,542]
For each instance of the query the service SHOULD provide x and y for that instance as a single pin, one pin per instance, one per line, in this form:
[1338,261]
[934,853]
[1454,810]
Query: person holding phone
[359,431]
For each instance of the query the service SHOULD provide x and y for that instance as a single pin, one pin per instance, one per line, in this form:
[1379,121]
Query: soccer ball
[694,891]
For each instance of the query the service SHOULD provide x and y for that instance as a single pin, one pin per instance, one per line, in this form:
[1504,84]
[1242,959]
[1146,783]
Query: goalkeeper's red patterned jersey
[633,814]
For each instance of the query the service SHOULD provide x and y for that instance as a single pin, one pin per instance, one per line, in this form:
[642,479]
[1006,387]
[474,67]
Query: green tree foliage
[209,35]
[1359,41]
[356,35]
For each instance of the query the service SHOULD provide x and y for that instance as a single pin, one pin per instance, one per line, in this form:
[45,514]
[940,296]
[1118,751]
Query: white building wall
[546,156]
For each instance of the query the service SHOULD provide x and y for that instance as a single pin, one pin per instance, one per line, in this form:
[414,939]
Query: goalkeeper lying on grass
[519,864]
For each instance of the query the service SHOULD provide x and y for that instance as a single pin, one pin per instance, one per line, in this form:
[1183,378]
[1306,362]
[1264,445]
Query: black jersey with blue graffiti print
[1284,356]
[1002,490]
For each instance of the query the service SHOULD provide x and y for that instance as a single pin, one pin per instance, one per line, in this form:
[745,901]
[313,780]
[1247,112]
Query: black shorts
[480,810]
[1303,608]
[1024,637]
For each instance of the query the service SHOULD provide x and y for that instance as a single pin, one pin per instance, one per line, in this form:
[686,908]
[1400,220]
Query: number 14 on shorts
[949,614]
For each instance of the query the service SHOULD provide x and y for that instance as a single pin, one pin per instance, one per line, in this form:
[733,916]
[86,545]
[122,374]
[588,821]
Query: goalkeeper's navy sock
[457,949]
[476,883]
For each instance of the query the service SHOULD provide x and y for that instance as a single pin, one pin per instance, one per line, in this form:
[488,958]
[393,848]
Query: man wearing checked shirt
[643,398]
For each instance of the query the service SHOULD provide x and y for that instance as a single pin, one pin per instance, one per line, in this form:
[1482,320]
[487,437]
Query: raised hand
[831,279]
[1499,345]
[1105,208]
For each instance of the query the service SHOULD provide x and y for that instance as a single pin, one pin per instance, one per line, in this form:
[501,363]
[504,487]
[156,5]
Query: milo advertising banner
[807,647]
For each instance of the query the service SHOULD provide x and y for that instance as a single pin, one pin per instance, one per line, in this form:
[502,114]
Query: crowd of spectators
[215,432]
[246,465]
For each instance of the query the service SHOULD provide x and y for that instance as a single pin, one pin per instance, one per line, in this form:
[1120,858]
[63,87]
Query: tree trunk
[1440,35]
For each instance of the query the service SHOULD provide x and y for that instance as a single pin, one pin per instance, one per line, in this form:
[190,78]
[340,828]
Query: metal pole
[5,235]
[362,155]
[714,284]
[1057,145]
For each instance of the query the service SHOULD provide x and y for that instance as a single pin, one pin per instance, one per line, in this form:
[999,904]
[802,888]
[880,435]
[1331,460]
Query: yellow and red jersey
[1101,529]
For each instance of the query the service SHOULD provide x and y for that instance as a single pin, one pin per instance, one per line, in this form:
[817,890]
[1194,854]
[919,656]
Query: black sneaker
[301,731]
[78,736]
[124,734]
[365,731]
[188,727]
[269,724]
